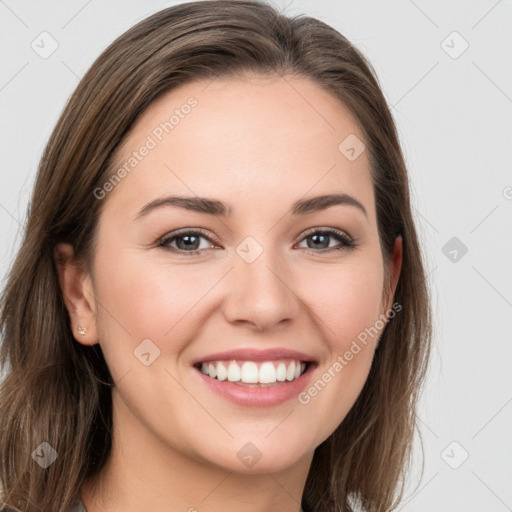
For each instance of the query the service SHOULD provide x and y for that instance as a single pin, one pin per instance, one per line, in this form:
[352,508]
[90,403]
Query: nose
[260,294]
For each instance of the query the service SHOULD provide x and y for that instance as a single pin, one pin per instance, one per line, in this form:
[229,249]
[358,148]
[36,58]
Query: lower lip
[255,396]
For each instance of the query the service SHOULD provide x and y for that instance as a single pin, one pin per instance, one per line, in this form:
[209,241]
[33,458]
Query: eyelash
[348,243]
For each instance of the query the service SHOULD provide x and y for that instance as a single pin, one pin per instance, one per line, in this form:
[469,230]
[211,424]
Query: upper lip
[251,354]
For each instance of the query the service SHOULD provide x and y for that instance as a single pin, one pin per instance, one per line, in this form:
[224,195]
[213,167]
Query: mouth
[255,373]
[251,377]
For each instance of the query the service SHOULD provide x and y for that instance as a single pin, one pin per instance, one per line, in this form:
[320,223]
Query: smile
[254,372]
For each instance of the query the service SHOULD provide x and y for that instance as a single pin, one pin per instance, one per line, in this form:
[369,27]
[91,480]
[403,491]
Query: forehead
[259,138]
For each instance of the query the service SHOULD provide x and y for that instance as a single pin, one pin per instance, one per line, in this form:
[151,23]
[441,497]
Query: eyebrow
[220,209]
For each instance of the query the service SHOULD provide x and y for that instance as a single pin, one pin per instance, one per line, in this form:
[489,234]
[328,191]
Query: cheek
[144,297]
[158,298]
[346,306]
[346,301]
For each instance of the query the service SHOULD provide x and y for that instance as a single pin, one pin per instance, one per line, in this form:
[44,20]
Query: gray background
[454,115]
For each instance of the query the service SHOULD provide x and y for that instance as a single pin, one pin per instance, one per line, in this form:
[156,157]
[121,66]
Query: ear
[395,266]
[78,294]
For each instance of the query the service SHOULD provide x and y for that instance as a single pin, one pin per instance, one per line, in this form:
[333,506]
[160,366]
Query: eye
[186,242]
[189,241]
[320,240]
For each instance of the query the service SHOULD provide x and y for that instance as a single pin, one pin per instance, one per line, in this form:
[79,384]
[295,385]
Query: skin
[259,145]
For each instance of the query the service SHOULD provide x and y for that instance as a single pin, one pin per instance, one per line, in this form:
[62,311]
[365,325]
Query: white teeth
[281,372]
[290,373]
[233,372]
[267,373]
[222,373]
[251,372]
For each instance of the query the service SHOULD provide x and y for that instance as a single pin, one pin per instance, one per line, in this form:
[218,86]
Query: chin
[261,455]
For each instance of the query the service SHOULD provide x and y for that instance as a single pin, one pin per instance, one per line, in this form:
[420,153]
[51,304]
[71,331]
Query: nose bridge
[259,291]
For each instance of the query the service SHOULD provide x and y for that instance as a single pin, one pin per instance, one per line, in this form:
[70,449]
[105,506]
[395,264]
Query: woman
[220,301]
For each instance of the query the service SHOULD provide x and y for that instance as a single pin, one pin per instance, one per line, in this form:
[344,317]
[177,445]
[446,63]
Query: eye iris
[188,244]
[319,240]
[316,239]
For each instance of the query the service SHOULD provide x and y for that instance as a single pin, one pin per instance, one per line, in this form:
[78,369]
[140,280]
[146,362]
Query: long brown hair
[58,391]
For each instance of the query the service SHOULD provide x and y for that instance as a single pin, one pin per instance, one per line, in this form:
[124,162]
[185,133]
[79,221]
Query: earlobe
[77,293]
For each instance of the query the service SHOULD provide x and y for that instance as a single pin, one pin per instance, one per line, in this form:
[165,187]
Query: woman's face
[267,283]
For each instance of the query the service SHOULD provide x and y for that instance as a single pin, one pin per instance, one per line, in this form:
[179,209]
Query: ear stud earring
[81,330]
